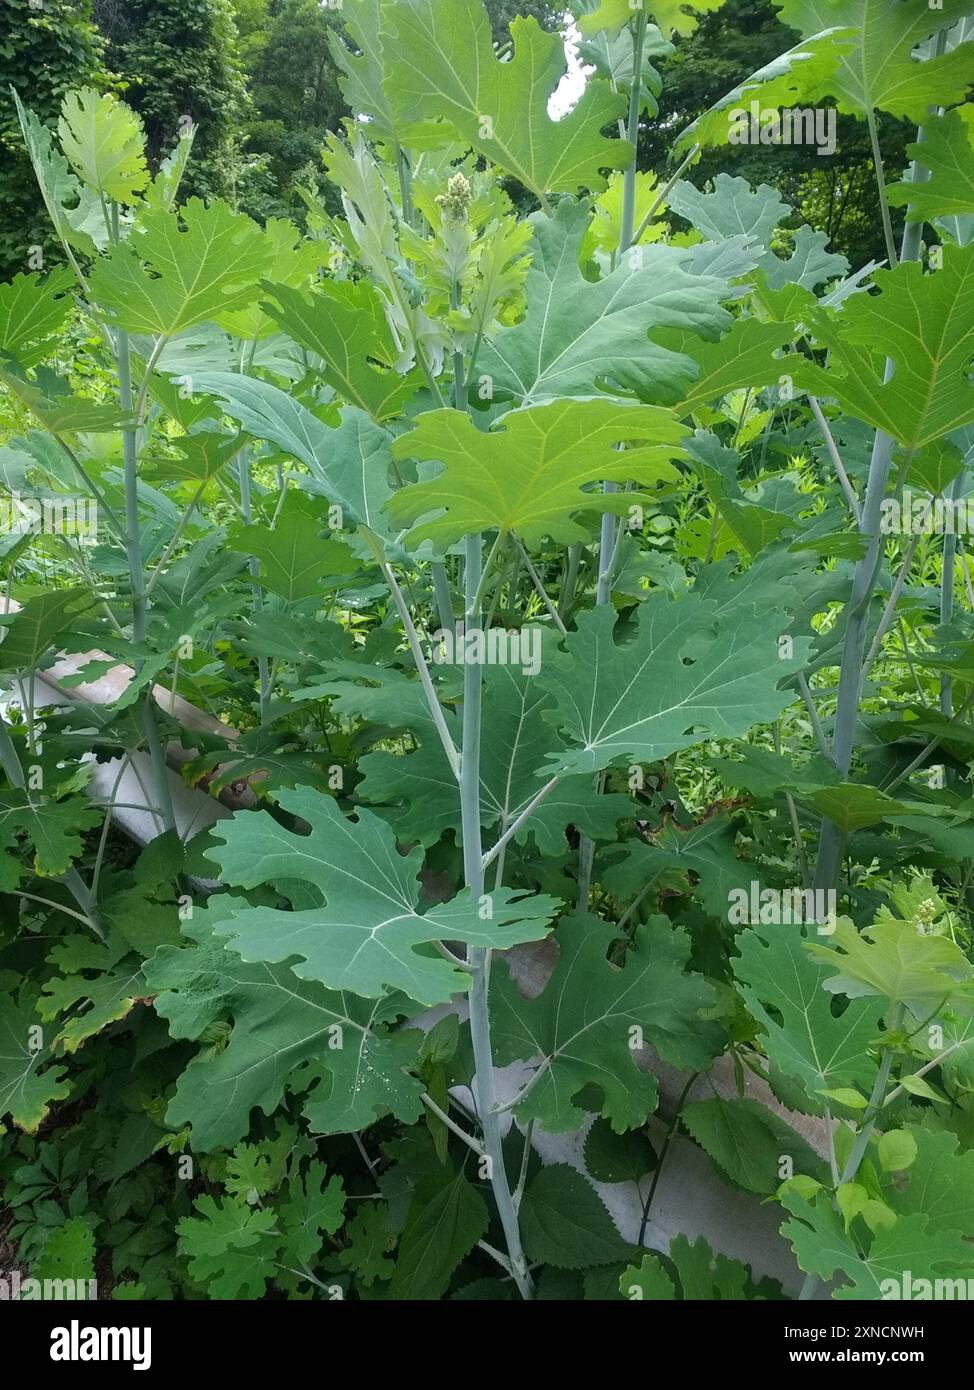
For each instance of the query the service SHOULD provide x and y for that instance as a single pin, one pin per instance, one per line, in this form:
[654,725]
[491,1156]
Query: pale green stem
[140,607]
[479,958]
[947,595]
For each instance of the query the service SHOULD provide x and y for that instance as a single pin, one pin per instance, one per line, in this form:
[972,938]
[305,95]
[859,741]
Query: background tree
[294,98]
[178,58]
[43,52]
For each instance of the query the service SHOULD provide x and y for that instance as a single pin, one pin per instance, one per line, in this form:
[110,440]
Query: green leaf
[348,465]
[53,828]
[294,559]
[824,1249]
[591,1019]
[364,935]
[765,775]
[847,1096]
[181,270]
[916,1086]
[611,1157]
[796,78]
[947,153]
[744,356]
[98,983]
[31,632]
[28,1083]
[440,63]
[230,1247]
[344,322]
[529,473]
[748,1142]
[162,191]
[925,324]
[364,70]
[285,1035]
[938,1181]
[105,144]
[782,988]
[33,310]
[881,73]
[68,1252]
[705,850]
[894,961]
[647,1281]
[809,265]
[417,791]
[898,1150]
[706,1276]
[369,1242]
[853,1200]
[703,1275]
[671,15]
[76,212]
[683,676]
[577,334]
[564,1223]
[853,805]
[49,398]
[447,1217]
[314,1207]
[731,208]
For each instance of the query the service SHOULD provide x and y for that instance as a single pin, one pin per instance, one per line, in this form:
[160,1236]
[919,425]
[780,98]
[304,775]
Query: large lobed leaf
[365,934]
[286,1034]
[181,271]
[925,324]
[577,333]
[440,62]
[683,675]
[529,472]
[586,1026]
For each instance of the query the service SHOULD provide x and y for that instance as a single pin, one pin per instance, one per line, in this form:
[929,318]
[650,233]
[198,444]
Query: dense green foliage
[43,53]
[533,568]
[177,62]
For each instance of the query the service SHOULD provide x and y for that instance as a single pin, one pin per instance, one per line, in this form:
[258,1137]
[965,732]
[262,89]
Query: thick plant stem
[246,510]
[441,592]
[632,132]
[863,584]
[947,595]
[853,651]
[607,536]
[478,959]
[140,604]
